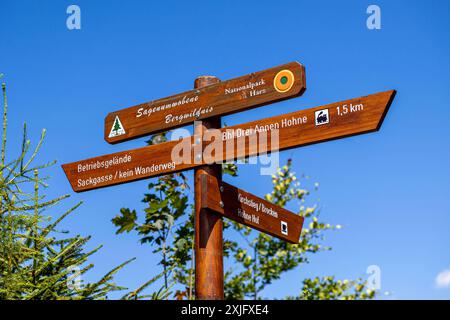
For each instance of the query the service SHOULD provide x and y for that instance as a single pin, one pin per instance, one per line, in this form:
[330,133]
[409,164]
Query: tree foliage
[327,288]
[37,259]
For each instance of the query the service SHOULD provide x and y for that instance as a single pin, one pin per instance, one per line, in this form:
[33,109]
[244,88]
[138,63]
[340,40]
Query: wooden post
[208,224]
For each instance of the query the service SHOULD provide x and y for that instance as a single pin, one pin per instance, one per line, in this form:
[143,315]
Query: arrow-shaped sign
[296,129]
[227,97]
[250,210]
[333,121]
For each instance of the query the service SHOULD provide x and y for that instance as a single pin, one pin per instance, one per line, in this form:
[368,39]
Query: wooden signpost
[250,210]
[211,145]
[223,98]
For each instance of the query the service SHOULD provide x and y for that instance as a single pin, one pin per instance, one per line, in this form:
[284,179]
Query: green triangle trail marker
[117,128]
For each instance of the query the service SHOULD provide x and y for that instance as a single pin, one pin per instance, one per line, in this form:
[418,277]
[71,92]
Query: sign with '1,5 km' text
[332,121]
[227,97]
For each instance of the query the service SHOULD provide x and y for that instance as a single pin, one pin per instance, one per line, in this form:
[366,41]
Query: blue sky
[389,190]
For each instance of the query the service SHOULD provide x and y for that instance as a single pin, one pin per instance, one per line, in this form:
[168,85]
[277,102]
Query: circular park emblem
[283,81]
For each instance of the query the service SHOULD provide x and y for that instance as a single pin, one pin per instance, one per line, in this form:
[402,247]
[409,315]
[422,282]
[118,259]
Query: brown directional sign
[296,129]
[227,97]
[300,128]
[125,166]
[250,210]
